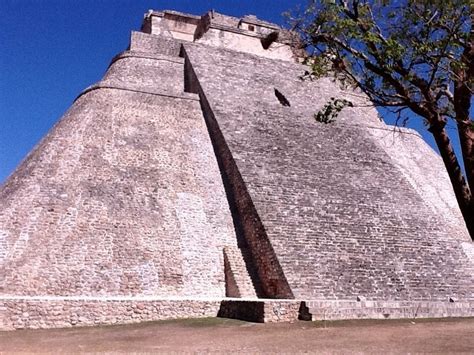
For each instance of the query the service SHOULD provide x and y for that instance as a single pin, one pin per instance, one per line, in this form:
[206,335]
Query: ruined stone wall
[217,30]
[246,43]
[341,215]
[170,24]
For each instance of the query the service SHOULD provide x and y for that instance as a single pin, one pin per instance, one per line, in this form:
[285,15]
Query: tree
[414,55]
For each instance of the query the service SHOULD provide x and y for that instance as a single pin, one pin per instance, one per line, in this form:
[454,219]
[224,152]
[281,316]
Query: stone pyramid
[193,180]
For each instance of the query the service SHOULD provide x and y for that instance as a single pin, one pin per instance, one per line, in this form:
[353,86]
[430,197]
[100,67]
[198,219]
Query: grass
[202,322]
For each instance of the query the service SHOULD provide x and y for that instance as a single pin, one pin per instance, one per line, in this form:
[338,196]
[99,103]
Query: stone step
[238,281]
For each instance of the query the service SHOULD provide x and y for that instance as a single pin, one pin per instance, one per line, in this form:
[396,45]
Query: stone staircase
[238,281]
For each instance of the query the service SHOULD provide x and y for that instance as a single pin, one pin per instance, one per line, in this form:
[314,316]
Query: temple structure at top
[247,34]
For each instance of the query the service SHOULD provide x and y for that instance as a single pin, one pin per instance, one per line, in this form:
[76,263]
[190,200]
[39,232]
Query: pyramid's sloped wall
[122,197]
[154,44]
[343,219]
[141,71]
[424,171]
[120,213]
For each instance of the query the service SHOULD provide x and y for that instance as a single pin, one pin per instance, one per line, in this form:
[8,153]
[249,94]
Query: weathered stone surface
[123,197]
[343,217]
[180,179]
[335,310]
[66,313]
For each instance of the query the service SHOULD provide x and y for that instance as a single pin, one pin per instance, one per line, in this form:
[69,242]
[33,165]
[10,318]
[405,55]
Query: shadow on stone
[251,311]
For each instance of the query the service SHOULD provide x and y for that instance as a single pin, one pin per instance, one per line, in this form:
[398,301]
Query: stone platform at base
[364,309]
[65,312]
[278,310]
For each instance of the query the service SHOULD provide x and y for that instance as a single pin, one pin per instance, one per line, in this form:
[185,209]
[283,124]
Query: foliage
[413,55]
[330,111]
[387,45]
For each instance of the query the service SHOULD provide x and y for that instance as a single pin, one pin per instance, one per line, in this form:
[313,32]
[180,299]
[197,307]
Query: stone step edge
[320,303]
[146,55]
[101,85]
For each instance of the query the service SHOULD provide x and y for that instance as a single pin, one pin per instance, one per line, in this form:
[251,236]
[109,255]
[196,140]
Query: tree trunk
[463,86]
[466,138]
[460,186]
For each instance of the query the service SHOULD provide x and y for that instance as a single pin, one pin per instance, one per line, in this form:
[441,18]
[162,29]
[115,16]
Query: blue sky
[50,50]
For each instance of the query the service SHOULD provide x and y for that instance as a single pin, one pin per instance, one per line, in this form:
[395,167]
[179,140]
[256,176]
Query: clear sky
[50,50]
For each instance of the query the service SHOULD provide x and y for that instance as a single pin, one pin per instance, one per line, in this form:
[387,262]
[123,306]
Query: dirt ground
[225,336]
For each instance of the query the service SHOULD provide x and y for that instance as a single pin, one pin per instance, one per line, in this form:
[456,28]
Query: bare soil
[224,336]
